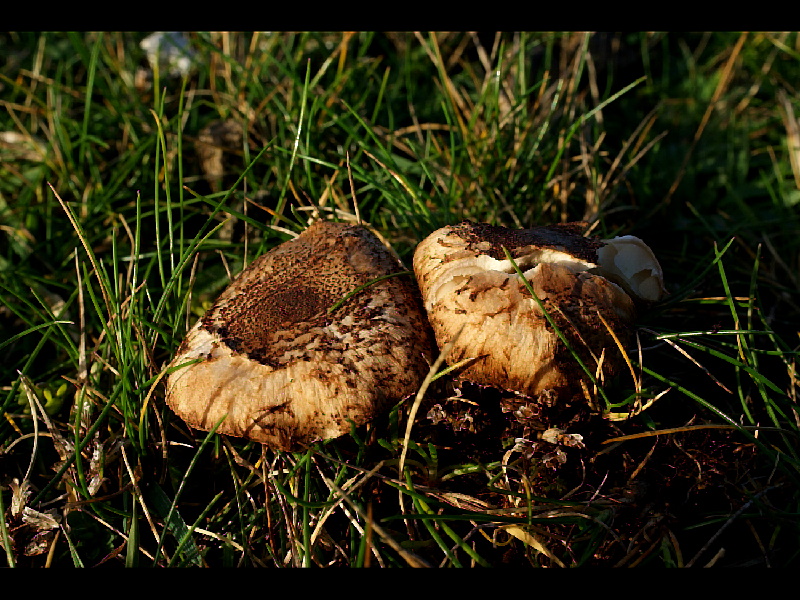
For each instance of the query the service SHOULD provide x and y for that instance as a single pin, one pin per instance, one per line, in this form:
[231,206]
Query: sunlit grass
[113,239]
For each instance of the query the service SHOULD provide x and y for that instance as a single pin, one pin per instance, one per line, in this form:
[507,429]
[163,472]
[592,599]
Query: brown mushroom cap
[467,281]
[280,367]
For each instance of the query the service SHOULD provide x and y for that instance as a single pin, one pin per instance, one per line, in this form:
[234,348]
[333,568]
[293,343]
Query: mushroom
[630,262]
[507,341]
[304,342]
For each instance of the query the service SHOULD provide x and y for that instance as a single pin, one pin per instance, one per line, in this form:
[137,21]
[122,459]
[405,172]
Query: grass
[119,225]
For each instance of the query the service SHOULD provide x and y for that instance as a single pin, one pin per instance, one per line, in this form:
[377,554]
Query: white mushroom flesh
[629,261]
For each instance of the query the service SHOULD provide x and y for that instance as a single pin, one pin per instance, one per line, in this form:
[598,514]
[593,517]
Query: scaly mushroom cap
[467,281]
[283,370]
